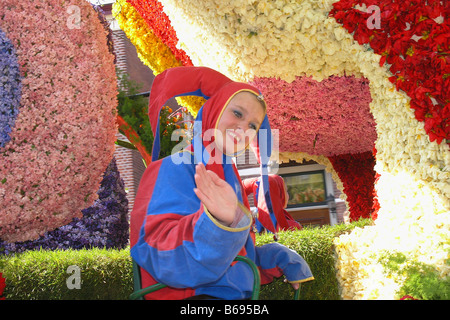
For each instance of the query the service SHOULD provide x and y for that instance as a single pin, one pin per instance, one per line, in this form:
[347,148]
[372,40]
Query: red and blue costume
[272,218]
[173,238]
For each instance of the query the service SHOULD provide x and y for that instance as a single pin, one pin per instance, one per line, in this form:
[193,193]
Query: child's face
[239,123]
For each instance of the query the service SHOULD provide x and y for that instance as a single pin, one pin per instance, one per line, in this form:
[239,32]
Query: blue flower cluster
[10,88]
[103,225]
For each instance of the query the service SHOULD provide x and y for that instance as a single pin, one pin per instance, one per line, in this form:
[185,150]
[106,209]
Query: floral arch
[374,70]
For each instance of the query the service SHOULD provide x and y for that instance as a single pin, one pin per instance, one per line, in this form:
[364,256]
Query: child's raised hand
[215,194]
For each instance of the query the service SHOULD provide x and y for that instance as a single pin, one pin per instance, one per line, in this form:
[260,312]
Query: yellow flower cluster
[150,49]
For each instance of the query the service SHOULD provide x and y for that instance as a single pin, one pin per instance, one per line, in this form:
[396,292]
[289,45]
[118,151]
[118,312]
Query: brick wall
[119,43]
[123,155]
[341,207]
[124,160]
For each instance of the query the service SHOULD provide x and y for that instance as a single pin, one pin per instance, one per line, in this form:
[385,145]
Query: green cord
[256,276]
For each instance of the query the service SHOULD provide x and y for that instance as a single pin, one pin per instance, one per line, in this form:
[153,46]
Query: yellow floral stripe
[191,103]
[150,49]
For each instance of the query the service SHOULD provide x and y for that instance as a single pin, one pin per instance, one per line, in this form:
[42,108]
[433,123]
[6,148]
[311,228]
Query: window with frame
[306,189]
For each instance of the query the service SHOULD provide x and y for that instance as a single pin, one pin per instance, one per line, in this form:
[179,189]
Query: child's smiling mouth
[234,136]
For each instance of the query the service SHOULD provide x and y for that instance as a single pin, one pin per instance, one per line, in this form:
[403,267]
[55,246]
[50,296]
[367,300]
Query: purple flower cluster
[10,88]
[103,225]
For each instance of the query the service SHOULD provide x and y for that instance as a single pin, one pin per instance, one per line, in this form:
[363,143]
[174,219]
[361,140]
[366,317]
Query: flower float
[134,138]
[317,66]
[357,175]
[63,130]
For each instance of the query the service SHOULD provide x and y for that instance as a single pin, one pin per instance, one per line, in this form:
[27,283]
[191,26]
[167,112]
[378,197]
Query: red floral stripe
[358,177]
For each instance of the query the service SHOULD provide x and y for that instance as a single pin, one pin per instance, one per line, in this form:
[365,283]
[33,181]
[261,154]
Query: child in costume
[191,217]
[274,217]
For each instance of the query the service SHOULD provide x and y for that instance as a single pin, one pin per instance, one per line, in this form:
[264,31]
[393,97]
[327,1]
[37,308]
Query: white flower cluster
[414,195]
[412,221]
[246,38]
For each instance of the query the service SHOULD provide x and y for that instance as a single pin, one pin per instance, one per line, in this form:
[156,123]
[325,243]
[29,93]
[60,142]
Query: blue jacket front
[176,241]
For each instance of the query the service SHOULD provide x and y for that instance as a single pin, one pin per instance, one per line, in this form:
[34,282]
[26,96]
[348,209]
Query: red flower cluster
[152,13]
[413,37]
[2,286]
[358,177]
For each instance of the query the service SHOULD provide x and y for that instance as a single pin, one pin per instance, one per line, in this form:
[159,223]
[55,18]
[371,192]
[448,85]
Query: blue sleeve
[275,259]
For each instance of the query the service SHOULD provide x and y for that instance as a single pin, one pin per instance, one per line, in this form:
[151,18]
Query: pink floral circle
[64,135]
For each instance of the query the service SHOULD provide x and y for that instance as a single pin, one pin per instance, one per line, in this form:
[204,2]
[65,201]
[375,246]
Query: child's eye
[238,114]
[252,126]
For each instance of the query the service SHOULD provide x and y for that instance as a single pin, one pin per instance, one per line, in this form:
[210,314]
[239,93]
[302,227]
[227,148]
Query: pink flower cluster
[327,118]
[64,135]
